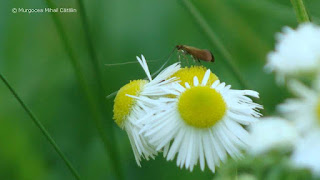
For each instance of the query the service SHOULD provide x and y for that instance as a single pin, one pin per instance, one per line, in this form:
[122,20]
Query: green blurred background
[36,63]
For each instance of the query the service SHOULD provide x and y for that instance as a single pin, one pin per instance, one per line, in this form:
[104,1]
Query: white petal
[195,81]
[206,77]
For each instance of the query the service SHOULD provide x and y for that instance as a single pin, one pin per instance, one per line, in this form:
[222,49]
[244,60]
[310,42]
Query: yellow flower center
[201,106]
[123,103]
[318,111]
[187,74]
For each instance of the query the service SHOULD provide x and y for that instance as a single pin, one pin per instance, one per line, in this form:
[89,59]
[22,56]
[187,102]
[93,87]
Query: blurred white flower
[127,110]
[297,51]
[202,121]
[304,110]
[271,133]
[307,153]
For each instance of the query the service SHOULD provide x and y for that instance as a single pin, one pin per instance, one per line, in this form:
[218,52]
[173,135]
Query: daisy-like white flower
[271,133]
[304,111]
[297,51]
[128,110]
[202,122]
[307,153]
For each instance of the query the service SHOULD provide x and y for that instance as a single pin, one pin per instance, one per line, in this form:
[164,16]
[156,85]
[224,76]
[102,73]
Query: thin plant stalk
[228,59]
[272,8]
[42,128]
[93,57]
[108,140]
[300,10]
[231,19]
[101,96]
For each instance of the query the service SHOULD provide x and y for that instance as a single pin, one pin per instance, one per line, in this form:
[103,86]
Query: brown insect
[197,54]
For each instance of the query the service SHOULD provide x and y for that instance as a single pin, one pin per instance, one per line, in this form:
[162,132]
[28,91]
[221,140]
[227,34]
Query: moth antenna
[165,63]
[130,62]
[152,75]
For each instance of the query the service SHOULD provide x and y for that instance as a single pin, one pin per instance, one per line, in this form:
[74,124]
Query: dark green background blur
[35,62]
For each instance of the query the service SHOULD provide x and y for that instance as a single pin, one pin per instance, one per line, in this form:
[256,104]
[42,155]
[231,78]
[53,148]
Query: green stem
[101,90]
[108,140]
[215,41]
[101,95]
[94,60]
[93,57]
[42,128]
[300,10]
[228,59]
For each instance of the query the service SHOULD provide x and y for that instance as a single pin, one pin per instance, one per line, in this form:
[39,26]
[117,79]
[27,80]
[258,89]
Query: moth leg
[187,61]
[198,61]
[184,55]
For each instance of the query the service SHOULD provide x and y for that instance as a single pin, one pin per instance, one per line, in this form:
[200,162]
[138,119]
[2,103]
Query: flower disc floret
[187,74]
[201,106]
[123,103]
